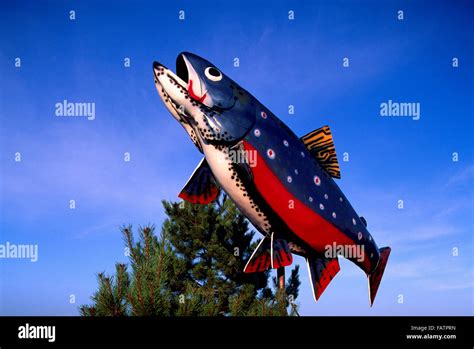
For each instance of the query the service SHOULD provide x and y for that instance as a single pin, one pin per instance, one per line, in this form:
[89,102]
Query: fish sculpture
[283,184]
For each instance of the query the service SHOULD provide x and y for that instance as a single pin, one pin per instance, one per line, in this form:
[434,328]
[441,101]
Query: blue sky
[282,63]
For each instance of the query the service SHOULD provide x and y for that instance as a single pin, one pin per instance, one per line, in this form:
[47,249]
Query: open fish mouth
[188,82]
[192,88]
[169,85]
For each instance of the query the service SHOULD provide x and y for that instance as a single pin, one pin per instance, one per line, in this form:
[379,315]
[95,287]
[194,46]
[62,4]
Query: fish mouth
[189,83]
[185,71]
[179,84]
[169,85]
[182,69]
[160,69]
[172,91]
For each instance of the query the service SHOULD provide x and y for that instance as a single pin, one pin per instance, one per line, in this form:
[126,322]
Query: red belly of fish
[302,220]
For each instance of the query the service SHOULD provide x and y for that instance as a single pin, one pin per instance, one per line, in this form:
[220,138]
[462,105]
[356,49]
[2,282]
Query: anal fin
[321,271]
[281,254]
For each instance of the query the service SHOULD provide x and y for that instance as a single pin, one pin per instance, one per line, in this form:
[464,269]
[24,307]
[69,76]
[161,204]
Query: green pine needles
[193,268]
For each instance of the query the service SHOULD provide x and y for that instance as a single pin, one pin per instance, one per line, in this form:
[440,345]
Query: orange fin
[320,144]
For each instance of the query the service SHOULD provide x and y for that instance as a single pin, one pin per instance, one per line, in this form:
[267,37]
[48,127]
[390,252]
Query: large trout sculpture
[281,182]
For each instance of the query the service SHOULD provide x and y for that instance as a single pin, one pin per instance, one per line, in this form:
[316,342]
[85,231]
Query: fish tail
[376,276]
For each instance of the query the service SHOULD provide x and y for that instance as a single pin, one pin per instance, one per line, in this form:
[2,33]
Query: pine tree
[194,267]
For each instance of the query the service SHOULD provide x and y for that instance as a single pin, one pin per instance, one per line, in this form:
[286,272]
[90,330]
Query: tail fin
[376,276]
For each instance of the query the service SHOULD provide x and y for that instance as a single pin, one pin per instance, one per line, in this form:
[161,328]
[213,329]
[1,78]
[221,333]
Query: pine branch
[193,257]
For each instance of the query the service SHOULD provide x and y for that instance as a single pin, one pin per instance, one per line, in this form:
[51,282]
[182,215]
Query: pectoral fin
[201,187]
[270,252]
[260,260]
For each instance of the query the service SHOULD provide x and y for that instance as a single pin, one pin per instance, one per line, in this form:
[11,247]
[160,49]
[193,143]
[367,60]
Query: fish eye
[213,74]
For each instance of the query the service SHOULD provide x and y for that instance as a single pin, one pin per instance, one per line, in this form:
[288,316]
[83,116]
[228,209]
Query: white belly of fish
[221,167]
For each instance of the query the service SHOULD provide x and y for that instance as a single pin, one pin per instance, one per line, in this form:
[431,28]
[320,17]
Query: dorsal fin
[320,144]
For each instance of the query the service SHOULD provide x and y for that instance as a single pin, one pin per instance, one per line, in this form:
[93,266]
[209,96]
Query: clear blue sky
[282,62]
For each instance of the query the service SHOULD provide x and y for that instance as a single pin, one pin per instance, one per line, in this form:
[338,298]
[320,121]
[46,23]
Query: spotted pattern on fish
[323,196]
[233,180]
